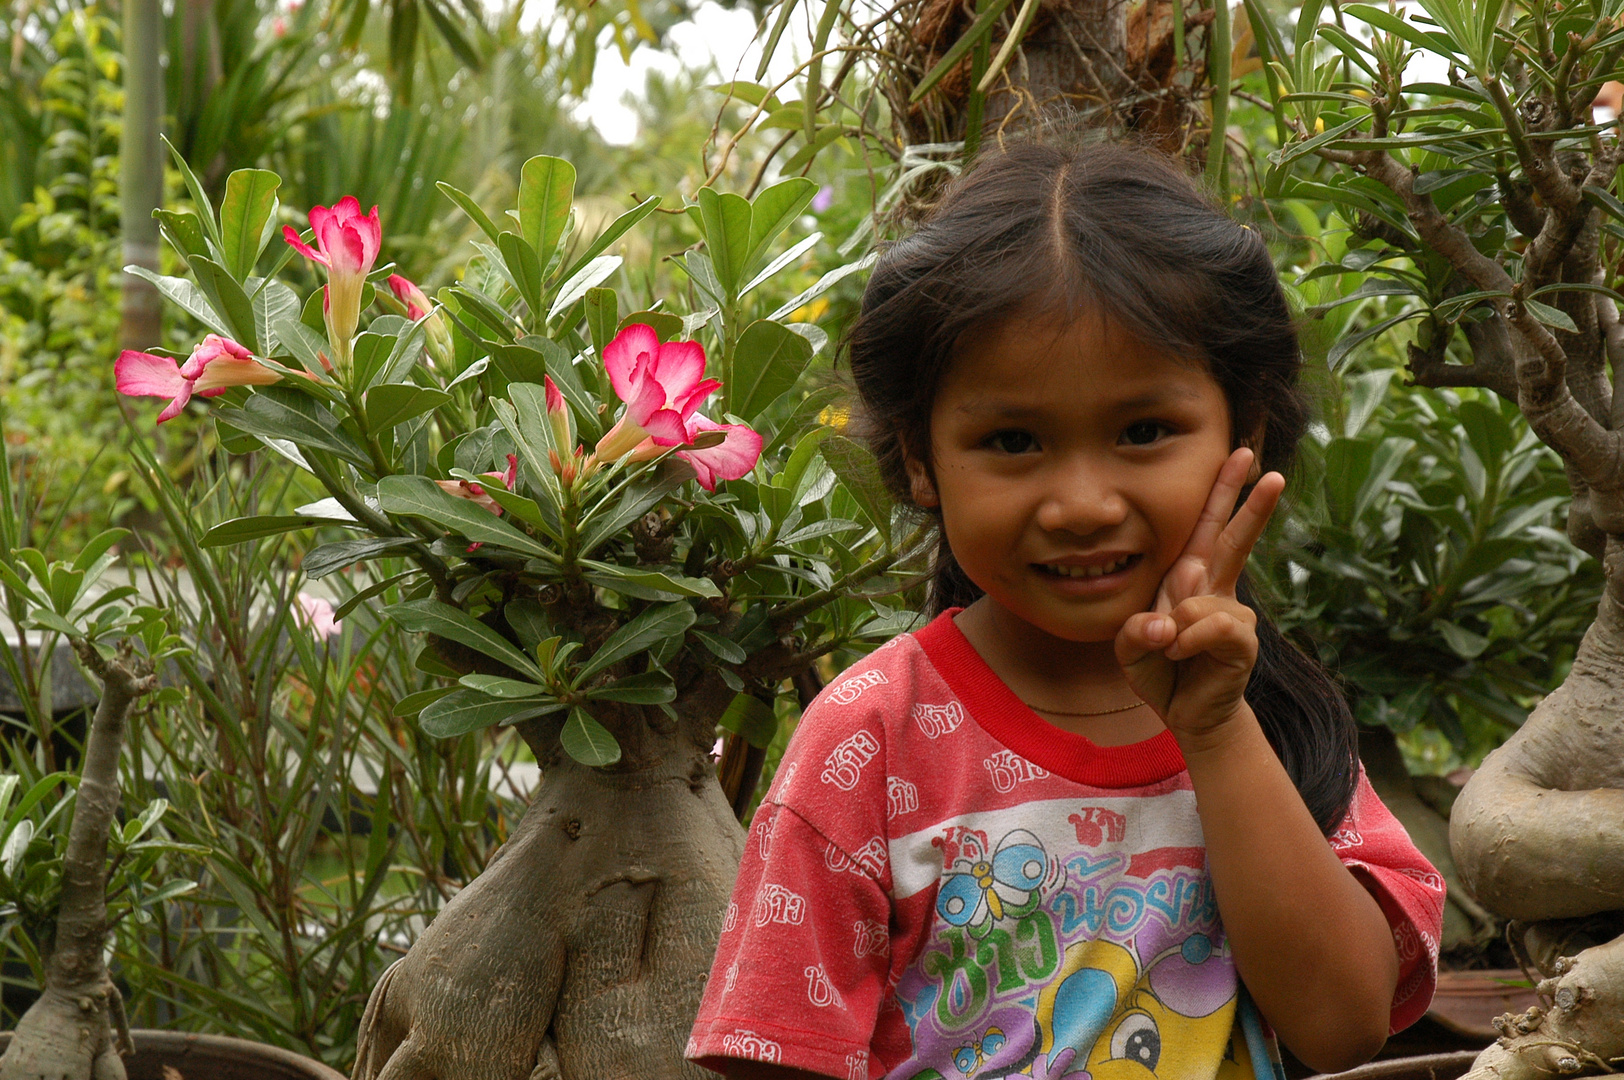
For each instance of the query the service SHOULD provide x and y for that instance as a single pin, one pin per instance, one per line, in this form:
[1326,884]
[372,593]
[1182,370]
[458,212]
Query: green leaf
[97,546]
[183,232]
[339,554]
[980,29]
[725,221]
[724,648]
[588,741]
[644,632]
[646,584]
[546,190]
[823,285]
[772,212]
[278,413]
[274,305]
[228,299]
[1551,316]
[200,199]
[860,473]
[753,719]
[418,496]
[1463,643]
[602,312]
[593,273]
[768,360]
[470,208]
[497,686]
[649,688]
[412,704]
[666,326]
[618,228]
[525,266]
[394,403]
[187,296]
[429,616]
[239,530]
[462,711]
[634,503]
[249,203]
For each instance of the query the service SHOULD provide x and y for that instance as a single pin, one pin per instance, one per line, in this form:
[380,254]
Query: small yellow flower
[1319,125]
[835,416]
[810,312]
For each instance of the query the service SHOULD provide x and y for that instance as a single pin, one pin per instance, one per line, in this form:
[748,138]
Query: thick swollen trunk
[581,952]
[76,1030]
[1538,836]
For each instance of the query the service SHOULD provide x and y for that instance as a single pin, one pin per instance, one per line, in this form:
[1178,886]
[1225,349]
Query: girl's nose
[1081,499]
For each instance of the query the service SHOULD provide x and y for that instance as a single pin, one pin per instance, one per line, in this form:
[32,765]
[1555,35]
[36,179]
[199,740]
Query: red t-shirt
[940,884]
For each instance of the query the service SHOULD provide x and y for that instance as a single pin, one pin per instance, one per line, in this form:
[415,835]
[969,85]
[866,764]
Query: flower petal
[173,409]
[685,405]
[666,428]
[145,375]
[227,371]
[730,459]
[679,366]
[291,235]
[628,356]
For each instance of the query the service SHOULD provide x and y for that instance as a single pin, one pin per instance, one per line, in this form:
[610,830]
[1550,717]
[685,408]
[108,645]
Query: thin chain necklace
[1097,712]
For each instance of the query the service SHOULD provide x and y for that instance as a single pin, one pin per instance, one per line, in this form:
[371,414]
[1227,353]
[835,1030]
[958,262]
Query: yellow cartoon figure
[1108,1015]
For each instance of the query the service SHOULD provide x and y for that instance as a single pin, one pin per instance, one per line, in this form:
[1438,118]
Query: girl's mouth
[1094,571]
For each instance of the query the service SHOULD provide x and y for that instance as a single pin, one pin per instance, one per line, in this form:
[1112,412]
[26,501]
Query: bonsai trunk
[76,1030]
[582,950]
[1538,835]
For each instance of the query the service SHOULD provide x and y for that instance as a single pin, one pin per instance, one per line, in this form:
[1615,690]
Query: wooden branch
[1527,217]
[1492,367]
[1436,231]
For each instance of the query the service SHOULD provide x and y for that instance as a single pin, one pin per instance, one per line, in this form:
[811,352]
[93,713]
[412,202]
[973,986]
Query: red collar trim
[994,706]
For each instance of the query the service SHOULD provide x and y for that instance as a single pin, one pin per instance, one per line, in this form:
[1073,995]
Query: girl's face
[1070,468]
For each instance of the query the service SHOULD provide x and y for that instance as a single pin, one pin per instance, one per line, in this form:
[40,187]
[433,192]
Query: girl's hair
[1049,232]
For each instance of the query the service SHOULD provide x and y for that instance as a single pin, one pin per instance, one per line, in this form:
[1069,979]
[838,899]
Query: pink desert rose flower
[417,305]
[824,199]
[348,241]
[663,385]
[475,494]
[216,364]
[318,615]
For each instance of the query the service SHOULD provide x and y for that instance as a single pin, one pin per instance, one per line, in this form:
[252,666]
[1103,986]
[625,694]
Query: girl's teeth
[1091,571]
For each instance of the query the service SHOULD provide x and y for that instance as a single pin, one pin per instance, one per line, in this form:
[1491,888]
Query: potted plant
[625,529]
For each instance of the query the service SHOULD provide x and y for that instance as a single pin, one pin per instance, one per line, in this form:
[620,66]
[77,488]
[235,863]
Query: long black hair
[1050,230]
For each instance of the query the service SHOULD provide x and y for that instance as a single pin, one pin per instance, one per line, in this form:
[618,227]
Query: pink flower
[729,459]
[349,243]
[475,494]
[318,615]
[663,385]
[216,364]
[417,305]
[824,199]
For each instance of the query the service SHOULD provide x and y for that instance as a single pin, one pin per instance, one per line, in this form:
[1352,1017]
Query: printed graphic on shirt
[1095,961]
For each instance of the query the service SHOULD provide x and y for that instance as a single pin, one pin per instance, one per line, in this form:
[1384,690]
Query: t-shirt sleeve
[1374,846]
[803,962]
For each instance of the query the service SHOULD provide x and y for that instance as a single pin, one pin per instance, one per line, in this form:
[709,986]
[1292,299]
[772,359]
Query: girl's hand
[1190,656]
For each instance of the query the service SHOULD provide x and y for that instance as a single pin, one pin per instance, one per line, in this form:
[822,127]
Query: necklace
[1097,712]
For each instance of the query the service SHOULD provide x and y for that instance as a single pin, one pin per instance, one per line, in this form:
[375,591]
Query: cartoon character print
[980,890]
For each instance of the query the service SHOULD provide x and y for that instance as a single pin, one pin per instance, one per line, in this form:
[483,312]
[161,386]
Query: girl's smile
[1070,468]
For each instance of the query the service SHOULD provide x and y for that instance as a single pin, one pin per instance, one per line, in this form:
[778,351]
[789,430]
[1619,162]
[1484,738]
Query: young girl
[1097,819]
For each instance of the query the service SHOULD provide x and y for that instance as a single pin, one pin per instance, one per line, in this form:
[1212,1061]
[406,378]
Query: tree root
[1575,1034]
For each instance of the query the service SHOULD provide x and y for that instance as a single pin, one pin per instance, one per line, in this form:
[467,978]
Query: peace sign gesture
[1189,657]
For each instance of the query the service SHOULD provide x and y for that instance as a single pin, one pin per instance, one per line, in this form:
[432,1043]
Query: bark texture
[582,950]
[76,1030]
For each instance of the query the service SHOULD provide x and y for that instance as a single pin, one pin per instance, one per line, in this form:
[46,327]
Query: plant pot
[1468,1001]
[1425,1067]
[212,1057]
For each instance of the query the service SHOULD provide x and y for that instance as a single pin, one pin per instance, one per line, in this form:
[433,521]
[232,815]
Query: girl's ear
[920,484]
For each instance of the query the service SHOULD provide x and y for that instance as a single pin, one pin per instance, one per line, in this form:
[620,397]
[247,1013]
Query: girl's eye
[1012,441]
[1144,432]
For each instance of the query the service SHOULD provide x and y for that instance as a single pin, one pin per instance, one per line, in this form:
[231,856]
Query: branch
[1436,231]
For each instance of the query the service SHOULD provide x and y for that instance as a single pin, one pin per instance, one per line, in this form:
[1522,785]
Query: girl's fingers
[1215,515]
[1221,636]
[1145,633]
[1234,545]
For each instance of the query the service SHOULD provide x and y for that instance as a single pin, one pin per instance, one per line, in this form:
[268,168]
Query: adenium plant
[615,532]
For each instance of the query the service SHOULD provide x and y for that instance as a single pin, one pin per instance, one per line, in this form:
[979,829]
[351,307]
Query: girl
[1096,820]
